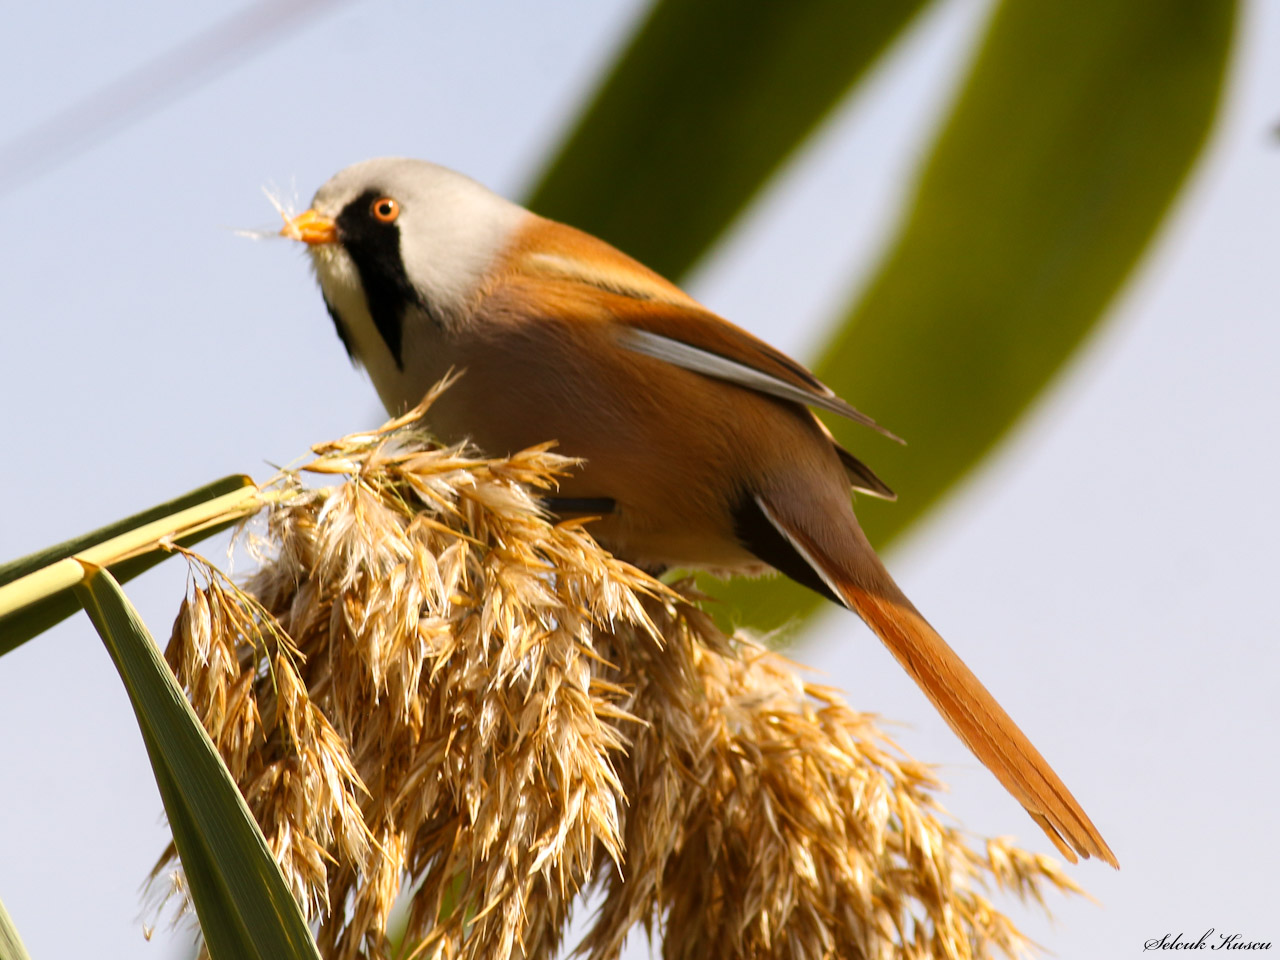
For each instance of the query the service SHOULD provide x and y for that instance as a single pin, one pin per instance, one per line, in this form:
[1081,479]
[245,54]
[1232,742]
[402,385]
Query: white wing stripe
[722,368]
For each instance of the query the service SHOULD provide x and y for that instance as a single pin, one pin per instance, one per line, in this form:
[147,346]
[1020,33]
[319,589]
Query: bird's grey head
[411,242]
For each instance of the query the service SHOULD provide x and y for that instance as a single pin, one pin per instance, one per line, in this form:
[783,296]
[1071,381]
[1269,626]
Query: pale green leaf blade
[11,947]
[700,110]
[19,626]
[1074,131]
[235,884]
[14,569]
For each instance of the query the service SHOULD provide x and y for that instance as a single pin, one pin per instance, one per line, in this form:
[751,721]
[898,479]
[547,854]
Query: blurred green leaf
[11,947]
[244,904]
[1074,131]
[699,111]
[20,625]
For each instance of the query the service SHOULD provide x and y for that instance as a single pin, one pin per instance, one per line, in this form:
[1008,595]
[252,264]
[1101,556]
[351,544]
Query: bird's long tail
[863,584]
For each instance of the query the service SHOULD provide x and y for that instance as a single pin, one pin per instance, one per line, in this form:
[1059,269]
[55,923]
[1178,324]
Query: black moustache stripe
[374,247]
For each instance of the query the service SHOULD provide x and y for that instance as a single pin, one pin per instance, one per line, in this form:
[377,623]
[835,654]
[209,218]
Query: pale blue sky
[1109,573]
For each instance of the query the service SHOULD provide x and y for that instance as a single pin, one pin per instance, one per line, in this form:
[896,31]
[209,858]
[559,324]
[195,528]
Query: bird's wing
[657,319]
[713,347]
[702,342]
[861,477]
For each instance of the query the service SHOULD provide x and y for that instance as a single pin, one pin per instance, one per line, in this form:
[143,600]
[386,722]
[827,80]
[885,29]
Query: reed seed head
[429,685]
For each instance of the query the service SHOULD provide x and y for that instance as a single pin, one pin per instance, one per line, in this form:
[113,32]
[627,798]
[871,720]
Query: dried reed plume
[428,682]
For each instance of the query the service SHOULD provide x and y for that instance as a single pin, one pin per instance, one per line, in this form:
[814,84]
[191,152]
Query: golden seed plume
[430,686]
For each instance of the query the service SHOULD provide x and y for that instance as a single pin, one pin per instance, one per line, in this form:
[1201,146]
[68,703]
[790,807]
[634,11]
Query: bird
[698,442]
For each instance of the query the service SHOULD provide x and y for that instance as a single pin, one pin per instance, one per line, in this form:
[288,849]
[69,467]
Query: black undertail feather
[755,532]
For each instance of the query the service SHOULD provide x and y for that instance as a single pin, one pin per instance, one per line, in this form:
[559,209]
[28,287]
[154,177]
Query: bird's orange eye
[385,209]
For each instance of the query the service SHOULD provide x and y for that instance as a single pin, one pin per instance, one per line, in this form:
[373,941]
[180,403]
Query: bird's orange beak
[311,228]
